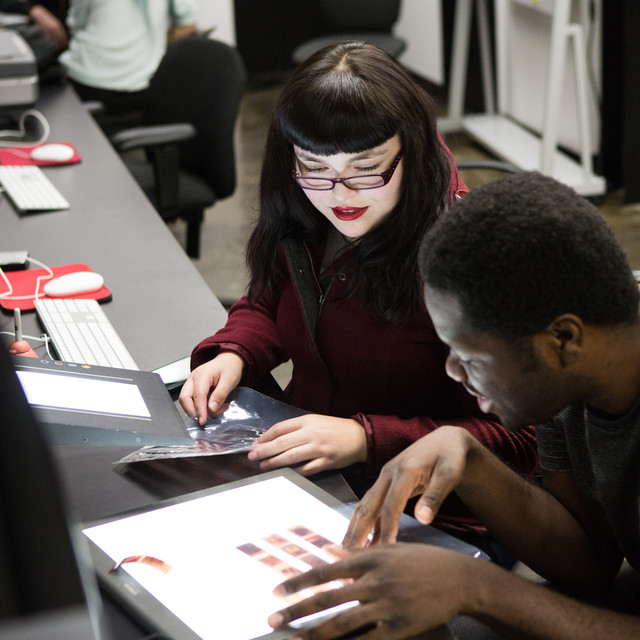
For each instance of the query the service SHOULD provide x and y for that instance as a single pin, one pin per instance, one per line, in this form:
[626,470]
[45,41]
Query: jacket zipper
[323,294]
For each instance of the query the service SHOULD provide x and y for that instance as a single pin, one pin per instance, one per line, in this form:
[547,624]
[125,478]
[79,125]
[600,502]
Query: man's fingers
[382,506]
[444,479]
[350,566]
[379,509]
[365,517]
[325,599]
[401,489]
[357,618]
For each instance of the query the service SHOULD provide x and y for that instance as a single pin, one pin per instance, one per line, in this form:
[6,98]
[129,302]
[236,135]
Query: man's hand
[402,589]
[431,467]
[405,589]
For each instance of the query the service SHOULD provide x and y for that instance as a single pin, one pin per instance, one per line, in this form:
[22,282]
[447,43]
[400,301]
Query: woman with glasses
[354,173]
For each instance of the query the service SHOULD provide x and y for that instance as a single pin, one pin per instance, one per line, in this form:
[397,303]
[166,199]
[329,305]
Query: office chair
[478,171]
[370,21]
[488,164]
[188,118]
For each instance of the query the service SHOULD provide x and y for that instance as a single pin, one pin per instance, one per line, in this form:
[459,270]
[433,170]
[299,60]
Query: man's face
[510,378]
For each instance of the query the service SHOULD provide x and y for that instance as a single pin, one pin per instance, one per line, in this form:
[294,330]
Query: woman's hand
[319,442]
[208,386]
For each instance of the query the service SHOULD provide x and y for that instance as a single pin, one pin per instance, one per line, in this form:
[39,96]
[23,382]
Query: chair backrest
[201,81]
[361,15]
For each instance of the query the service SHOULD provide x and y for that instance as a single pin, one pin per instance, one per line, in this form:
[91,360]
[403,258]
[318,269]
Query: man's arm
[554,530]
[407,589]
[554,533]
[522,609]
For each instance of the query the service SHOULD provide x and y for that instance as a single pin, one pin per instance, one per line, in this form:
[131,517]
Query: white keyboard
[81,332]
[29,189]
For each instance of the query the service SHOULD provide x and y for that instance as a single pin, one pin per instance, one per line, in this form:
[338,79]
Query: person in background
[354,173]
[48,16]
[528,287]
[116,46]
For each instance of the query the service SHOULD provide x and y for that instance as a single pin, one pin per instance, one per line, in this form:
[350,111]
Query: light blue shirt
[118,44]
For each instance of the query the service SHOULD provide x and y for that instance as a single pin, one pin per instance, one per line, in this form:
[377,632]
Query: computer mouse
[72,284]
[52,152]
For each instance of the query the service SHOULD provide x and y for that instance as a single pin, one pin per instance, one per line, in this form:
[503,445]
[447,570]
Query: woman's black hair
[346,99]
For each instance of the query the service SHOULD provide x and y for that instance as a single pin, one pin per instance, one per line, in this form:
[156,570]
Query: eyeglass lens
[351,182]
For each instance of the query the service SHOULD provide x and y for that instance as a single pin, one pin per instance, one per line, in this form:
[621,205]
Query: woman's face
[353,213]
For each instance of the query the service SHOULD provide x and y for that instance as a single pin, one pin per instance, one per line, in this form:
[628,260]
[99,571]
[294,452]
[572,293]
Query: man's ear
[566,336]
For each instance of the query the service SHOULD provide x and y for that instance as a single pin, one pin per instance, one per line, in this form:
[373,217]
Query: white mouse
[74,283]
[52,152]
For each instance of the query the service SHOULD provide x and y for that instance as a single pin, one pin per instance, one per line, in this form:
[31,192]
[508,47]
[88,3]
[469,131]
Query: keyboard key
[29,189]
[81,332]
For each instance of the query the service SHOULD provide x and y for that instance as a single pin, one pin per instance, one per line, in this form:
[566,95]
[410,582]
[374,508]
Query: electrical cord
[19,135]
[43,338]
[7,294]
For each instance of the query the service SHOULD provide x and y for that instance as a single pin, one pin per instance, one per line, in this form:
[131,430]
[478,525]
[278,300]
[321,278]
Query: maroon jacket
[389,378]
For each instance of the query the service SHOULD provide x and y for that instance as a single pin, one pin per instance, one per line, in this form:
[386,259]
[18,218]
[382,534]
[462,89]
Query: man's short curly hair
[523,249]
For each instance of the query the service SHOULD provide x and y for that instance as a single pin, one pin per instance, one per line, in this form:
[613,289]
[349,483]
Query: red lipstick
[348,213]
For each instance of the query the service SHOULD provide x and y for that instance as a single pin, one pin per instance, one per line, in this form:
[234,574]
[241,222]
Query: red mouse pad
[22,155]
[24,283]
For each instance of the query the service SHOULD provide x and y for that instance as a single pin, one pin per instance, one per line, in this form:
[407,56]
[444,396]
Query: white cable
[43,338]
[7,294]
[21,132]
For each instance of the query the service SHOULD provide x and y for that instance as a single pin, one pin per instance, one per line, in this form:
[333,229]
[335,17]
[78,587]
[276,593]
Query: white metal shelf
[498,132]
[513,143]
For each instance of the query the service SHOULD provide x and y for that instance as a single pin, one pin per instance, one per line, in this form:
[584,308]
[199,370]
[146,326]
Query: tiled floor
[228,223]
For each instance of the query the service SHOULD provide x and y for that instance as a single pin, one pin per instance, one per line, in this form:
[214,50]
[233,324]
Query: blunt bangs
[326,121]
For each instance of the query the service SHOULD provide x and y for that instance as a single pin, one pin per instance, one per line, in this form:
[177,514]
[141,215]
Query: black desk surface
[161,305]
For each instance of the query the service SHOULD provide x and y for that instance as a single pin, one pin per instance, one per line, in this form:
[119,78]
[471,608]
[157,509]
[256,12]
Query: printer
[18,71]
